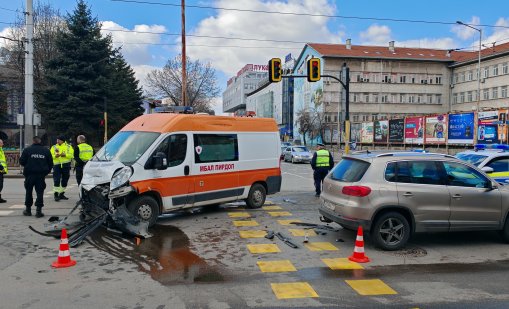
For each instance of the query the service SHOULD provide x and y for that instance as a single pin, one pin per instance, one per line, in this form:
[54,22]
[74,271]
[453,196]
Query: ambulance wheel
[145,208]
[256,197]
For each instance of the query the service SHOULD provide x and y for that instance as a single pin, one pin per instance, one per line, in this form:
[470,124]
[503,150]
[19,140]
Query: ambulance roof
[165,122]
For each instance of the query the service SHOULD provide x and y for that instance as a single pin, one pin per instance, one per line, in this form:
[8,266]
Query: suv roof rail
[409,153]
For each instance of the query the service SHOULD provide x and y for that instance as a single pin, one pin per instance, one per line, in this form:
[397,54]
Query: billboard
[436,129]
[367,132]
[397,131]
[355,132]
[414,130]
[461,129]
[381,128]
[487,127]
[502,128]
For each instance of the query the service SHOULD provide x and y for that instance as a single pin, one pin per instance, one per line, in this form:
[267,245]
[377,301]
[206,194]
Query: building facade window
[365,118]
[394,98]
[455,98]
[375,97]
[505,69]
[494,93]
[402,98]
[366,98]
[503,93]
[355,118]
[355,97]
[402,79]
[455,79]
[495,70]
[438,80]
[462,77]
[486,72]
[411,98]
[486,94]
[462,97]
[419,99]
[469,96]
[429,99]
[439,98]
[383,98]
[470,75]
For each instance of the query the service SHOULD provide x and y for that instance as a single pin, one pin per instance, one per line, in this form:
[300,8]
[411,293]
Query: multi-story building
[392,82]
[246,81]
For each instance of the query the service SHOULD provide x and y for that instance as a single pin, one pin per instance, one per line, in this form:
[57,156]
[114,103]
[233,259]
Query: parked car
[296,154]
[282,155]
[393,195]
[492,159]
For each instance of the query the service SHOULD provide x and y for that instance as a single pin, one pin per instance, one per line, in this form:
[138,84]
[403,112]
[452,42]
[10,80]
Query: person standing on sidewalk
[3,169]
[83,152]
[37,163]
[62,154]
[322,162]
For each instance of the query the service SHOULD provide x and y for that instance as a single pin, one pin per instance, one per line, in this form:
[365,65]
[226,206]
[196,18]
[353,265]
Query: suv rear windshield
[349,170]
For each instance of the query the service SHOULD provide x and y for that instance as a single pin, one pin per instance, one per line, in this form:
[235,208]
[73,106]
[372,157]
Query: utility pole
[105,121]
[29,74]
[184,77]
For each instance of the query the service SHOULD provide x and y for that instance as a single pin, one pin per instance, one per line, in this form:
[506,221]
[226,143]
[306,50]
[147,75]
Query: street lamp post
[478,63]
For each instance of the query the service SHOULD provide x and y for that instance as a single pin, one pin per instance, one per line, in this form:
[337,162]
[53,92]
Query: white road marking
[17,206]
[296,175]
[5,212]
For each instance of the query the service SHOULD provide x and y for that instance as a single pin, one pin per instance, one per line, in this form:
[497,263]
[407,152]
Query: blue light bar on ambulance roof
[492,146]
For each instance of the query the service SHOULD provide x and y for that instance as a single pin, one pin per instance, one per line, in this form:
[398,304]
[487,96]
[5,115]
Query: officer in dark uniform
[322,162]
[37,163]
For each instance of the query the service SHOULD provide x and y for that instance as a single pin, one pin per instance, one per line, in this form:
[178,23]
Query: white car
[492,159]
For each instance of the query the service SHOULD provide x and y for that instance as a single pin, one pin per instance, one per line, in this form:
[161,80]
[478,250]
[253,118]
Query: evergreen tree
[87,72]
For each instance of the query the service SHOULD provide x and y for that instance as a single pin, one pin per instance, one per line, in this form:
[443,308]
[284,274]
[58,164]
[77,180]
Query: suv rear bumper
[349,223]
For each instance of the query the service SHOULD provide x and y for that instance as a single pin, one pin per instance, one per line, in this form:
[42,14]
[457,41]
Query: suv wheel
[391,231]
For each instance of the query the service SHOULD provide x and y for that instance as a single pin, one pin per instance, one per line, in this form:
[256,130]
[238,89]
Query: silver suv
[395,194]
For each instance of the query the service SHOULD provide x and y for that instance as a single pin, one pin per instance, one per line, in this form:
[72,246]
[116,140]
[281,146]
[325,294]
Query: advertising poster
[381,128]
[414,131]
[502,128]
[367,133]
[487,127]
[397,131]
[436,129]
[461,129]
[355,132]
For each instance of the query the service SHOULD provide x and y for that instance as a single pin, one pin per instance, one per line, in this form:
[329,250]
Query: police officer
[3,169]
[37,163]
[62,154]
[83,152]
[321,163]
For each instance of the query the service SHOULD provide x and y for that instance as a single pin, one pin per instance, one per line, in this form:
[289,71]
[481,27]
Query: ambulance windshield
[126,146]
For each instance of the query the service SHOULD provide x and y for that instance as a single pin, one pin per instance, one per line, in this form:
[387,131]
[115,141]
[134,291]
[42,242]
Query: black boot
[57,197]
[27,211]
[63,197]
[38,213]
[2,200]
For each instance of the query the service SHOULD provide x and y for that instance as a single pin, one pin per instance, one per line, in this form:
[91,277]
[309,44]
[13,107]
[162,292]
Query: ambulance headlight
[121,177]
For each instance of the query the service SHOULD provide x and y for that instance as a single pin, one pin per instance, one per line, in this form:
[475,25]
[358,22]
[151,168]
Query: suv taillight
[359,191]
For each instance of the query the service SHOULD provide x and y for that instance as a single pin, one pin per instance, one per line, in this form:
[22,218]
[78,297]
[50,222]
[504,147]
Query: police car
[492,159]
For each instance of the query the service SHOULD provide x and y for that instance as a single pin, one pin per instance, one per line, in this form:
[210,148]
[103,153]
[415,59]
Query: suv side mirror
[160,161]
[490,186]
[487,169]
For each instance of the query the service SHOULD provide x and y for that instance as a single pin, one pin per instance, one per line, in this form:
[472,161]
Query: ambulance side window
[175,148]
[215,148]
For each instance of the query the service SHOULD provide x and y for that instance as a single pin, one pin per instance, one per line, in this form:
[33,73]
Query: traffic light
[275,71]
[314,70]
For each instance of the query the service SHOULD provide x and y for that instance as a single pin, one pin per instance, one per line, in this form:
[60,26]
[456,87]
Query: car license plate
[329,205]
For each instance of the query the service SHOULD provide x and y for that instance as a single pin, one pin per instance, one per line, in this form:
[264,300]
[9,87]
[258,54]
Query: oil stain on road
[166,256]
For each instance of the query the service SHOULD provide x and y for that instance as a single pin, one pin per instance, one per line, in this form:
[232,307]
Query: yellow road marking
[341,263]
[279,213]
[287,222]
[371,287]
[320,246]
[263,248]
[272,207]
[252,234]
[276,266]
[302,232]
[268,203]
[293,290]
[245,223]
[239,215]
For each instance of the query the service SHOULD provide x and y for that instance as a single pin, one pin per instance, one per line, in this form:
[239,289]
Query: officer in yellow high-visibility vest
[3,169]
[83,152]
[62,154]
[322,162]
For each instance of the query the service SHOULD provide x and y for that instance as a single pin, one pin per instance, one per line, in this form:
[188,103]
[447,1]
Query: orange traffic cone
[64,257]
[358,252]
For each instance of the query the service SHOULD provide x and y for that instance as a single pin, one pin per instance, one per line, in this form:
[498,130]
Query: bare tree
[304,122]
[201,84]
[319,123]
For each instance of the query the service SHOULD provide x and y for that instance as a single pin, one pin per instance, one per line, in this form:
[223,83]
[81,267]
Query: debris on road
[286,240]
